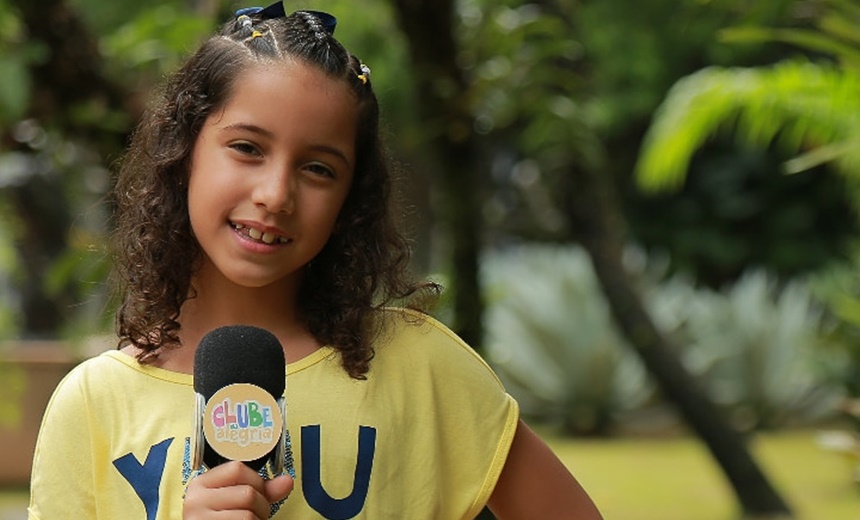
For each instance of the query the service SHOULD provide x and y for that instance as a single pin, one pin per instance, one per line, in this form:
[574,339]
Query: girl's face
[270,172]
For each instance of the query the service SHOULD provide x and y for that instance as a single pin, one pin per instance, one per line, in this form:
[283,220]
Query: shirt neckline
[187,379]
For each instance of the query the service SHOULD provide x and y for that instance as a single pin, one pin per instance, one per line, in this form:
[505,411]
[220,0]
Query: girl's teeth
[266,238]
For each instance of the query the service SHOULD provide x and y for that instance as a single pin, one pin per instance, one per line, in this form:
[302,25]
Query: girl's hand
[233,488]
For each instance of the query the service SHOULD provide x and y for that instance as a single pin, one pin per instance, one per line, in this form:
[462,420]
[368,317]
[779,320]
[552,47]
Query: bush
[550,337]
[755,346]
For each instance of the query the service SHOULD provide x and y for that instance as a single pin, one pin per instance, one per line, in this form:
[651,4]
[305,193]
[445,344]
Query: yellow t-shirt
[425,436]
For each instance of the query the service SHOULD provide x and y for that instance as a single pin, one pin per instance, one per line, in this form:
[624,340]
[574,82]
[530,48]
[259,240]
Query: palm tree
[810,108]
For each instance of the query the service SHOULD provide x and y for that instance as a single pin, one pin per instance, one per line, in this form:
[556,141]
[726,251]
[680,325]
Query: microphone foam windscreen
[239,354]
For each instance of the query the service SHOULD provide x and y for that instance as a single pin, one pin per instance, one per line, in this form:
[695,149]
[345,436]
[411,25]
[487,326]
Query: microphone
[239,381]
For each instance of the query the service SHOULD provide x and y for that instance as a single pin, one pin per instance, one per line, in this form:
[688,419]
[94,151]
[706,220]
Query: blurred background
[645,215]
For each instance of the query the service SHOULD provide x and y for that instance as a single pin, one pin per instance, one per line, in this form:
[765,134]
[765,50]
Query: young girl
[255,192]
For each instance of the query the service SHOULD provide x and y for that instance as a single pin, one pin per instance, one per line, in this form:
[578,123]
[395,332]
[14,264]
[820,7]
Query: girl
[255,192]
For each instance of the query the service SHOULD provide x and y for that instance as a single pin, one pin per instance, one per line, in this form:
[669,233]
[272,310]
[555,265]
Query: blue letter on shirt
[317,497]
[145,479]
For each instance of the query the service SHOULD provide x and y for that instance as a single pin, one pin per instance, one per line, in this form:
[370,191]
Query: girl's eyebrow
[248,127]
[333,151]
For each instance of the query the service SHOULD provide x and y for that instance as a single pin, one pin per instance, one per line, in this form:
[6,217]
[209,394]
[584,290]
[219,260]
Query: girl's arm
[535,484]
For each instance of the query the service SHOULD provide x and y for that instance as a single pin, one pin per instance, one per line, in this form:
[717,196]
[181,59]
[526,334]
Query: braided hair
[361,268]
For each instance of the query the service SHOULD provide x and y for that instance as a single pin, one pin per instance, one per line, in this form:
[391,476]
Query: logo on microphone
[242,422]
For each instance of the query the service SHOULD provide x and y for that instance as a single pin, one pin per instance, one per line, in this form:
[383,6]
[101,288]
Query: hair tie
[256,34]
[244,20]
[365,74]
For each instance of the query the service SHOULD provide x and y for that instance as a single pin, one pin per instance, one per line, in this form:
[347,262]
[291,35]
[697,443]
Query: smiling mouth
[258,236]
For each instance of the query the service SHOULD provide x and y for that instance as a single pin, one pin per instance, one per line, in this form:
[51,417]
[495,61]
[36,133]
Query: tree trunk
[441,88]
[444,110]
[593,214]
[69,76]
[598,224]
[43,214]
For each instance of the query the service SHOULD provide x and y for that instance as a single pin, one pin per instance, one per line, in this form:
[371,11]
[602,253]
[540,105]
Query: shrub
[756,346]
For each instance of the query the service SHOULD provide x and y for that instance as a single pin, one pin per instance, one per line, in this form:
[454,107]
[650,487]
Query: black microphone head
[239,354]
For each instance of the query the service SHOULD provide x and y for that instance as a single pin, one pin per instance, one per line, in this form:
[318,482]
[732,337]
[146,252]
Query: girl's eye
[245,148]
[320,170]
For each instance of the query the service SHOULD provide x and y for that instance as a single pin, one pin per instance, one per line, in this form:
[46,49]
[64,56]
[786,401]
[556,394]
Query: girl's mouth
[258,236]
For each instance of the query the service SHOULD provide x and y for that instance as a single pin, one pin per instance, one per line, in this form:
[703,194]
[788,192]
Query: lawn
[676,479]
[13,504]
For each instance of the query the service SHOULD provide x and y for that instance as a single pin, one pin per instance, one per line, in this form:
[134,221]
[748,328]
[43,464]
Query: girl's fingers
[227,490]
[278,488]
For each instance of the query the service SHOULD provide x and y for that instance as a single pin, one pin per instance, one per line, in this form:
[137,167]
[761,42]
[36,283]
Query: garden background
[645,215]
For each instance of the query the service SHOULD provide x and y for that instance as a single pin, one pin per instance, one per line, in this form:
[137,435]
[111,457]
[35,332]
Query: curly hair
[362,267]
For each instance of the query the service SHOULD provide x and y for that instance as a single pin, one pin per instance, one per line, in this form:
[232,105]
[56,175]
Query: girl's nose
[276,191]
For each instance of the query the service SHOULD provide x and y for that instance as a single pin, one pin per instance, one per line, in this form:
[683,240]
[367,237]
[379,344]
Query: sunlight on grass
[676,479]
[817,482]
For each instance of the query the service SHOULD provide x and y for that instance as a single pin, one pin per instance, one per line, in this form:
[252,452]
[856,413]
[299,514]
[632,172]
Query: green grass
[13,503]
[676,478]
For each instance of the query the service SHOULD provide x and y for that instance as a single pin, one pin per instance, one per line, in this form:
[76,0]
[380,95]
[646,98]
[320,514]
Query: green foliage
[82,271]
[16,55]
[67,171]
[521,62]
[551,339]
[64,173]
[524,62]
[811,107]
[838,289]
[758,350]
[712,164]
[8,266]
[636,50]
[152,43]
[11,393]
[834,33]
[756,347]
[801,103]
[806,107]
[737,209]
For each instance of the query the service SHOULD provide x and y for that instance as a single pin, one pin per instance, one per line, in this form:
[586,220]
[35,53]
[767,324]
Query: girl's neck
[218,303]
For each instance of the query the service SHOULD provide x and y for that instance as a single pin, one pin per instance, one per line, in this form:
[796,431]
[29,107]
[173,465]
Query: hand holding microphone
[233,486]
[239,381]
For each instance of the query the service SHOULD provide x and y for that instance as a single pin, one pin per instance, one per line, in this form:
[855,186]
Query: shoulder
[399,324]
[119,364]
[84,387]
[104,375]
[454,394]
[89,372]
[413,342]
[420,335]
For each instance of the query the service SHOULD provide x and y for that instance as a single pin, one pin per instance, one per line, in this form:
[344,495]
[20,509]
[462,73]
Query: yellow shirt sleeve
[61,484]
[432,424]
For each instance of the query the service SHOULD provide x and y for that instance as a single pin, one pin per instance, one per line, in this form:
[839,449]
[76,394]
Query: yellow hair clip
[365,74]
[256,34]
